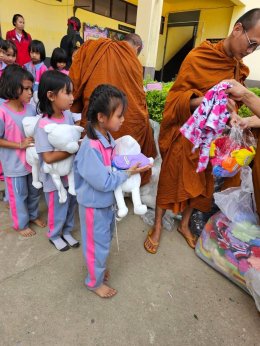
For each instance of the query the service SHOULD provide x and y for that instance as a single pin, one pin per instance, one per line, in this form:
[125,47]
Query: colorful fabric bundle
[207,122]
[222,246]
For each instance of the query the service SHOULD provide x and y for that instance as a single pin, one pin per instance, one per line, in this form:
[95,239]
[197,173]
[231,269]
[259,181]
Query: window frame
[128,4]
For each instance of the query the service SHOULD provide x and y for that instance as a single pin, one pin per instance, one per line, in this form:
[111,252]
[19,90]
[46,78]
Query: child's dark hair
[104,99]
[3,44]
[15,17]
[74,26]
[58,55]
[10,44]
[51,81]
[11,86]
[37,46]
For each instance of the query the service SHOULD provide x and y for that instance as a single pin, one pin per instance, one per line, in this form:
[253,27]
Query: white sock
[70,239]
[59,243]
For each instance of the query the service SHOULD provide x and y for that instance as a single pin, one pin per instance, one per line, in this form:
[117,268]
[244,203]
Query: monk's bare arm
[239,93]
[252,102]
[194,103]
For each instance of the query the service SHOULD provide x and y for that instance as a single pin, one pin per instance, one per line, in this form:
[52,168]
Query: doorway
[180,40]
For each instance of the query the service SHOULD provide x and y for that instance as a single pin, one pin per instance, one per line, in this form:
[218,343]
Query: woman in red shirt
[21,39]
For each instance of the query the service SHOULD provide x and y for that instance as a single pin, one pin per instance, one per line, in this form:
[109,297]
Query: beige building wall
[214,22]
[47,20]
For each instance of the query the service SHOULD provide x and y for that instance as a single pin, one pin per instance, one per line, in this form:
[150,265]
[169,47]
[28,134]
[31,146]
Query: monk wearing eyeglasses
[180,188]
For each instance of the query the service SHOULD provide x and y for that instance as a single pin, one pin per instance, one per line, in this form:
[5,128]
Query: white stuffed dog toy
[127,145]
[63,137]
[32,157]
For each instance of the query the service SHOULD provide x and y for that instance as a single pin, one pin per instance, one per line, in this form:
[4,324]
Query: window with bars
[117,9]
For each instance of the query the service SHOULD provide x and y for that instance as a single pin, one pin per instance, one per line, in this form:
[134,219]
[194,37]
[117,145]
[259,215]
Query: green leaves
[244,111]
[156,100]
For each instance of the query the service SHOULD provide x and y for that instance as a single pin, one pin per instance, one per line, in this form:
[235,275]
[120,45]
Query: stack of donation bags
[230,241]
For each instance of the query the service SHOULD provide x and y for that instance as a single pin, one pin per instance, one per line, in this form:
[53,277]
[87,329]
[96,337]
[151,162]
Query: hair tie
[73,23]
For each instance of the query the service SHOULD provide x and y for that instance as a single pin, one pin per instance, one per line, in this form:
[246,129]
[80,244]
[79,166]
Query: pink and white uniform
[23,197]
[60,216]
[37,71]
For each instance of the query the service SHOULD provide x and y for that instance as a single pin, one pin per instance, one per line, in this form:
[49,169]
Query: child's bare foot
[105,291]
[39,222]
[28,232]
[107,275]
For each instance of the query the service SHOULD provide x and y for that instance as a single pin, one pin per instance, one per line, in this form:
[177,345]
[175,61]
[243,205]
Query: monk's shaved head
[249,19]
[135,41]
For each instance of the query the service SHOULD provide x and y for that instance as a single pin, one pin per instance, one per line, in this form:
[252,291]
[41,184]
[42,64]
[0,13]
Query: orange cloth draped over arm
[114,62]
[179,184]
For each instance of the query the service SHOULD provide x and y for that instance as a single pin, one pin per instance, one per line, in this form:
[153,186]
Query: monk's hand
[237,92]
[136,169]
[231,106]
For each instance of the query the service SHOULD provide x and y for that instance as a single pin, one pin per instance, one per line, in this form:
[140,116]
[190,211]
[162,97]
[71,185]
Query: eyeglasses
[251,45]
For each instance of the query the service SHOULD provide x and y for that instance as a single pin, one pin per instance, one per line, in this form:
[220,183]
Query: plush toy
[228,156]
[63,137]
[127,145]
[32,157]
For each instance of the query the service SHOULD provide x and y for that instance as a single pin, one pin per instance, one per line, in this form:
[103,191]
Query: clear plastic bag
[232,151]
[253,284]
[148,192]
[237,203]
[168,220]
[233,250]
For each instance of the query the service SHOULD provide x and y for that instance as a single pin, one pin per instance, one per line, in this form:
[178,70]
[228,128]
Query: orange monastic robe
[179,184]
[114,62]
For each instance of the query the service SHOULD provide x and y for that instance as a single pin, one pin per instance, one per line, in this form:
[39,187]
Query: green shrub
[244,111]
[156,100]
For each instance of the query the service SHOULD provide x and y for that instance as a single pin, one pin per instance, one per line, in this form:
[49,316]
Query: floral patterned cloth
[207,122]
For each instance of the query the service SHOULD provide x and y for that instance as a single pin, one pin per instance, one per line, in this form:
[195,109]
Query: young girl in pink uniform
[16,87]
[55,97]
[59,60]
[95,183]
[36,66]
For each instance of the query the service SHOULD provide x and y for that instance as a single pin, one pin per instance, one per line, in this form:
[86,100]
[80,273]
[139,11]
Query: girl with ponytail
[72,41]
[95,183]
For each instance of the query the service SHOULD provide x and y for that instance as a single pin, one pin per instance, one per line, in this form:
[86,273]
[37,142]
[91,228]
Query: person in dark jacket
[72,40]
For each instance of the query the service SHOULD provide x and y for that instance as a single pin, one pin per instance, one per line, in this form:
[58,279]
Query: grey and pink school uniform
[1,169]
[66,72]
[23,197]
[95,184]
[60,216]
[37,71]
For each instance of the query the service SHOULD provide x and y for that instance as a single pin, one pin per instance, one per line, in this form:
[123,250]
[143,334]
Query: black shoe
[65,248]
[76,245]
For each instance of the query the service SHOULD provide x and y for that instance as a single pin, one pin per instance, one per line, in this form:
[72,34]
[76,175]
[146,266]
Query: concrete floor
[171,298]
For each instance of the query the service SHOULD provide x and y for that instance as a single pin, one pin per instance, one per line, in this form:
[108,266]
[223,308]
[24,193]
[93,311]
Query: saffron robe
[114,62]
[179,184]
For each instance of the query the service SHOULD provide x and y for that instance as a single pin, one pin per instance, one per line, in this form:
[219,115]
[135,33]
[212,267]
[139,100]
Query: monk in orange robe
[115,62]
[180,188]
